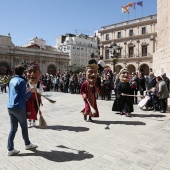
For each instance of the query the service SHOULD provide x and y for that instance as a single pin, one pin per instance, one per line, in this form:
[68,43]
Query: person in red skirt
[89,90]
[33,74]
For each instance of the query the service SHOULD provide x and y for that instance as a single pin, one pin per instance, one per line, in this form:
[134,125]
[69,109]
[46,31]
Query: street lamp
[114,50]
[24,64]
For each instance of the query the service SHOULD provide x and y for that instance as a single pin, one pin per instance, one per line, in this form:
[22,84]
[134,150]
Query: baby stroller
[146,102]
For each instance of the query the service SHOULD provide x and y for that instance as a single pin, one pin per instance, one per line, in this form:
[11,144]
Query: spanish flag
[125,9]
[131,4]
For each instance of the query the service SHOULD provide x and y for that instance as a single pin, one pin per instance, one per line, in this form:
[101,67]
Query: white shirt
[102,63]
[39,90]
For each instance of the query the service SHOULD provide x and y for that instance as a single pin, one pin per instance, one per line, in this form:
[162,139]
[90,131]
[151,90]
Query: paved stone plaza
[112,142]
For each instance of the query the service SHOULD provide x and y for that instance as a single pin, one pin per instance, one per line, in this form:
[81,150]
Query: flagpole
[135,9]
[142,8]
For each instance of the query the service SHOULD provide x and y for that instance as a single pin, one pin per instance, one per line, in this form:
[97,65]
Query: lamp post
[24,64]
[114,50]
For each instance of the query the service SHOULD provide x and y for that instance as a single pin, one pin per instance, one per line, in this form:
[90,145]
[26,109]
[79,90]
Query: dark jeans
[163,104]
[3,88]
[108,94]
[17,115]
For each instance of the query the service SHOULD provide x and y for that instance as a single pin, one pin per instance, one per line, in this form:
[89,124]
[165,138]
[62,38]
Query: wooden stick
[50,100]
[132,95]
[42,122]
[37,100]
[91,108]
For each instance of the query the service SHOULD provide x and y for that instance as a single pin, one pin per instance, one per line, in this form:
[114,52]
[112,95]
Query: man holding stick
[124,94]
[89,90]
[33,103]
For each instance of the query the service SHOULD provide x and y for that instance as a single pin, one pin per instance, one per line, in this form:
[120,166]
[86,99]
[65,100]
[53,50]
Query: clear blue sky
[47,19]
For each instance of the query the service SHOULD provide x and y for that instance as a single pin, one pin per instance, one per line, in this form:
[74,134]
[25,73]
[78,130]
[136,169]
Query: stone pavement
[112,142]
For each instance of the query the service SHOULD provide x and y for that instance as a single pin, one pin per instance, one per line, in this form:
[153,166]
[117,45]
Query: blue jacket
[17,94]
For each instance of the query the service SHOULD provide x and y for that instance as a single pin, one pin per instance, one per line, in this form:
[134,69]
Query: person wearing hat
[123,102]
[17,96]
[89,90]
[33,74]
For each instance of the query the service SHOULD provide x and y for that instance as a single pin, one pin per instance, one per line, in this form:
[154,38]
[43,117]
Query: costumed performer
[89,90]
[33,74]
[123,103]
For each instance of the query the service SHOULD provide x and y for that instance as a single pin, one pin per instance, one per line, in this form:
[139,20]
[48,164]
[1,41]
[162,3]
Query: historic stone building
[161,58]
[133,42]
[49,58]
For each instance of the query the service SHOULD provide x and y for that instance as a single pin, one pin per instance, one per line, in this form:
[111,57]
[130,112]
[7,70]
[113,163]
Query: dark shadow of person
[69,128]
[148,115]
[134,123]
[60,156]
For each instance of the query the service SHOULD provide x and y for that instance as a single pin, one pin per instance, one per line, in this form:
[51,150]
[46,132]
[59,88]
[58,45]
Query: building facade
[80,47]
[135,41]
[161,58]
[49,58]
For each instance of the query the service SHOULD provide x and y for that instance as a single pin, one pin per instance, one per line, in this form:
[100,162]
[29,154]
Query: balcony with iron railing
[137,20]
[133,56]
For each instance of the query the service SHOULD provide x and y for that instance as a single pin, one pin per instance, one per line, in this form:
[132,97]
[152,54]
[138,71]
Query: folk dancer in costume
[33,75]
[123,103]
[89,90]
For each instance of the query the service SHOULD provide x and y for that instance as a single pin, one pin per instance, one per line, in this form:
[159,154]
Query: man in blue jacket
[17,96]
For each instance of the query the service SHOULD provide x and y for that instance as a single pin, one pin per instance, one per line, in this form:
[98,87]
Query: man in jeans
[17,96]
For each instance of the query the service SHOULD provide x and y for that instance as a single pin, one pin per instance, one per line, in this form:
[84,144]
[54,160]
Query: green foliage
[114,60]
[76,69]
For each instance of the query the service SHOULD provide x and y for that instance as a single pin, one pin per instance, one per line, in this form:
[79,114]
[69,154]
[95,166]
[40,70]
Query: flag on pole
[140,3]
[125,9]
[131,4]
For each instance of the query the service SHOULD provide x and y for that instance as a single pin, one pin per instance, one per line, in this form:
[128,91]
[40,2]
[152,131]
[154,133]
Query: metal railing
[137,20]
[130,56]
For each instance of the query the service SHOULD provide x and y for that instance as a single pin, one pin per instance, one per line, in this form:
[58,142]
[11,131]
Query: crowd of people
[69,82]
[4,82]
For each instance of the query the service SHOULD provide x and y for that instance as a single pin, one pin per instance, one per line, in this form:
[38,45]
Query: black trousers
[163,104]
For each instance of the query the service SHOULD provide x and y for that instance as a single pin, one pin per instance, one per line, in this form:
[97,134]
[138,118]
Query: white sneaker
[34,124]
[13,152]
[30,146]
[29,124]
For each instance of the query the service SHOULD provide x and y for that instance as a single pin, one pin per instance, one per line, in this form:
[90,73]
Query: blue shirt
[17,94]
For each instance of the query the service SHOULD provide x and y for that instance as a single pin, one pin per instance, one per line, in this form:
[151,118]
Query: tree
[76,68]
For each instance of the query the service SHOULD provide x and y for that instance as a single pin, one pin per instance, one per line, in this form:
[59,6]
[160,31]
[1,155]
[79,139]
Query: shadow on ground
[69,128]
[135,123]
[60,156]
[148,115]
